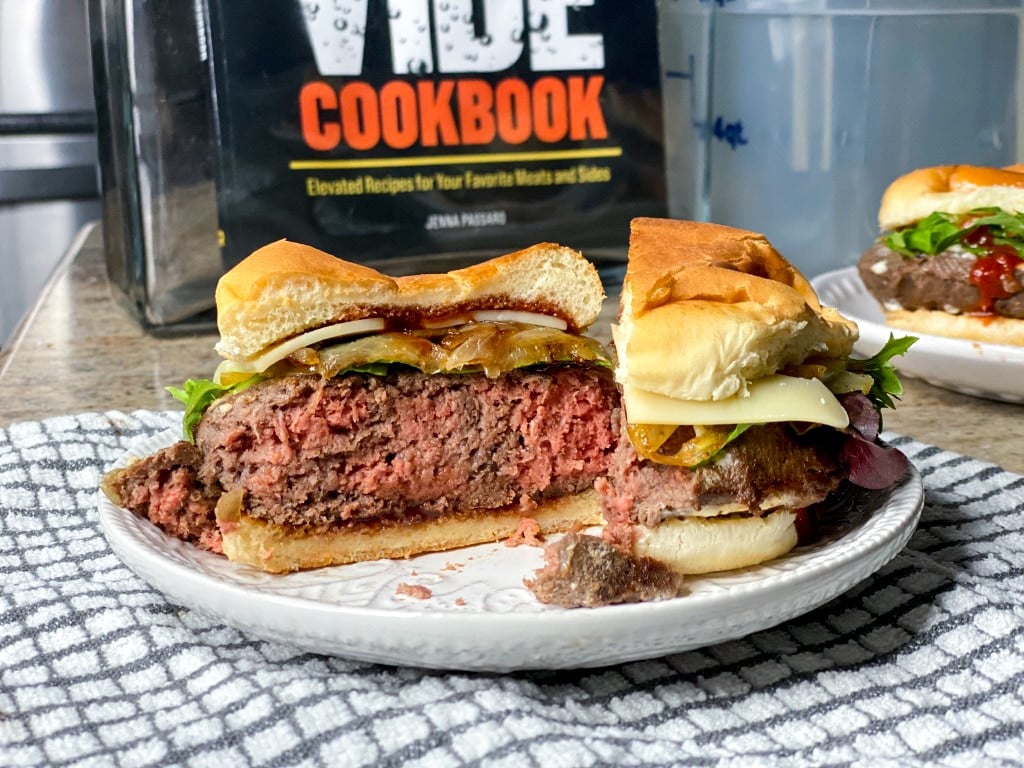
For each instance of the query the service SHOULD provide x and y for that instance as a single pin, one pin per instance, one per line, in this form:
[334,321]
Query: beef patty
[939,282]
[165,488]
[767,464]
[317,454]
[311,453]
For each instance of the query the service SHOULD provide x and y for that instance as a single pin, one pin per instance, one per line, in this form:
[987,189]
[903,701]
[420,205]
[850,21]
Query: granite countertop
[80,350]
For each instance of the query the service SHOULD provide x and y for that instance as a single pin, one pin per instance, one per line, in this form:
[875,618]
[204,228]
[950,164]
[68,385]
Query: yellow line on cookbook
[496,157]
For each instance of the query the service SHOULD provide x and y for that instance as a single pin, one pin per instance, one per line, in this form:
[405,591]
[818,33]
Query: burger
[949,260]
[741,409]
[358,416]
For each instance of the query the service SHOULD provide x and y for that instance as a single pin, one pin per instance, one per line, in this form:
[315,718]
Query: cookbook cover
[379,129]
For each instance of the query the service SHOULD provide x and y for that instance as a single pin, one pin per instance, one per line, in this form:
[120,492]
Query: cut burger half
[358,416]
[741,407]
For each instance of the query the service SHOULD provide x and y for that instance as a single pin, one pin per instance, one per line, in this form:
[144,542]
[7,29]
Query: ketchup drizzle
[994,274]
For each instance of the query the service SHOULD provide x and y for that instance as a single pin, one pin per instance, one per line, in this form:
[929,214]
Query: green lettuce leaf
[939,231]
[1011,224]
[886,384]
[738,430]
[200,394]
[932,234]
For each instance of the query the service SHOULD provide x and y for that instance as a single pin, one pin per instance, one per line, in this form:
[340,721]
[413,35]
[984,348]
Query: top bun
[285,288]
[706,309]
[950,189]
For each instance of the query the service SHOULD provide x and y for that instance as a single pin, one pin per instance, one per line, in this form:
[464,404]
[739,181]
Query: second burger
[742,404]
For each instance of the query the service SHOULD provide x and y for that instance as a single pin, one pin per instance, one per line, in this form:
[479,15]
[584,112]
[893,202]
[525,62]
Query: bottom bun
[280,548]
[703,545]
[993,330]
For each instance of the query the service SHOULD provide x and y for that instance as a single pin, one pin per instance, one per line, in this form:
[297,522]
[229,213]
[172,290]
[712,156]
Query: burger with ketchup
[949,261]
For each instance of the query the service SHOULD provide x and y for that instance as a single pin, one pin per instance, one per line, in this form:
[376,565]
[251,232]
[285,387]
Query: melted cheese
[498,316]
[370,325]
[281,351]
[512,316]
[773,398]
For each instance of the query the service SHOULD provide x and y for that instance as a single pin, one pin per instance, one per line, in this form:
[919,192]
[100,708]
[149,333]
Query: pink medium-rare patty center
[311,452]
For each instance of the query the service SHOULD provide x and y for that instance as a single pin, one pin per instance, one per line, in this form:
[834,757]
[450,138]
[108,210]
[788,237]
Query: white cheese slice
[285,348]
[498,316]
[371,325]
[513,316]
[773,398]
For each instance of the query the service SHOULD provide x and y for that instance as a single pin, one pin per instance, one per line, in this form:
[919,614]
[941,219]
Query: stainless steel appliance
[48,177]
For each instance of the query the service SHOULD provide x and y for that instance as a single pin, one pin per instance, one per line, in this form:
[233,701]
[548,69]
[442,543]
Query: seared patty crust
[165,488]
[767,462]
[939,282]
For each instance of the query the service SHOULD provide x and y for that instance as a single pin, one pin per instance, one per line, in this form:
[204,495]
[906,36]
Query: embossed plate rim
[521,634]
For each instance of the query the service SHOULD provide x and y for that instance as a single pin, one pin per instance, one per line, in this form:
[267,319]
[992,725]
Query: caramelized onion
[491,347]
[305,356]
[807,371]
[396,347]
[648,439]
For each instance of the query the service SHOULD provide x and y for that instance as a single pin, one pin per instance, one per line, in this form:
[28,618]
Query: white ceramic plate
[480,616]
[995,371]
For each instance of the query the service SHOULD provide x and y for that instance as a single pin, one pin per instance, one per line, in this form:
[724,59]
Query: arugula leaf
[931,235]
[939,231]
[1006,228]
[737,430]
[200,394]
[886,384]
[1012,224]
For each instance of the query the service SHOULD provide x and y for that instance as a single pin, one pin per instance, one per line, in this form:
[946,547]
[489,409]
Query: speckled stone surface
[80,350]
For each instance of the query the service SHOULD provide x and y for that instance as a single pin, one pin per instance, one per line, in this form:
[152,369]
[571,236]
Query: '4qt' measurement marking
[729,132]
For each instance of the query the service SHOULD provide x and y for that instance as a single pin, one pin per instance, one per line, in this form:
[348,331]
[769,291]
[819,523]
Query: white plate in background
[479,616]
[994,371]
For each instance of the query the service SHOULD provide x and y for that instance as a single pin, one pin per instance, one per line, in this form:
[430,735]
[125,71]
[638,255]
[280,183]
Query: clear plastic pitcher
[790,117]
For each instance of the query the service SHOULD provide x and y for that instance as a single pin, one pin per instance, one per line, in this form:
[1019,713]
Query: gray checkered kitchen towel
[920,664]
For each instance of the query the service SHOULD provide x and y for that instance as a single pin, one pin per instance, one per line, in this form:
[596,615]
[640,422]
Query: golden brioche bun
[285,288]
[706,309]
[950,189]
[281,549]
[992,330]
[693,545]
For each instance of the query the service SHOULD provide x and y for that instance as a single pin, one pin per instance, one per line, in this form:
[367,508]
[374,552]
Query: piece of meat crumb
[582,571]
[418,591]
[527,533]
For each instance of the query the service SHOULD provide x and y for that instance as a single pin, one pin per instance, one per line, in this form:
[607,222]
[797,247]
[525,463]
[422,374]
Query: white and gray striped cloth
[920,664]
